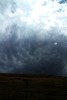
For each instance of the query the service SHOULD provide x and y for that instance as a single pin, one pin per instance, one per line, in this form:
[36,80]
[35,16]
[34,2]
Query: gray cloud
[33,37]
[62,1]
[33,55]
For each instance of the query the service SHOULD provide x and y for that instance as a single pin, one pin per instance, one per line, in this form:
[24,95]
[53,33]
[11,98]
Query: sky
[33,37]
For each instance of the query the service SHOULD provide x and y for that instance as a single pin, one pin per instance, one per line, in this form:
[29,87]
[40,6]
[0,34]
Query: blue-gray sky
[33,36]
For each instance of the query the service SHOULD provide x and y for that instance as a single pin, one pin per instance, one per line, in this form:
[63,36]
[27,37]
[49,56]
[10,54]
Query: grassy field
[32,87]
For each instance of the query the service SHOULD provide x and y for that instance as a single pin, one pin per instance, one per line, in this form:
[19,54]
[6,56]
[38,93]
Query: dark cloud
[33,36]
[33,55]
[62,1]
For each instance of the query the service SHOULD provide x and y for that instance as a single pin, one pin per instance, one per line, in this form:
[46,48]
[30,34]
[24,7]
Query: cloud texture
[33,36]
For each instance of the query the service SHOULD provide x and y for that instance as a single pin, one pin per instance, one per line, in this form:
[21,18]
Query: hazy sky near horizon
[33,36]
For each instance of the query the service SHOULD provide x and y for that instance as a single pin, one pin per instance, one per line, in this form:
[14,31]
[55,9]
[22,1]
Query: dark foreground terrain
[32,87]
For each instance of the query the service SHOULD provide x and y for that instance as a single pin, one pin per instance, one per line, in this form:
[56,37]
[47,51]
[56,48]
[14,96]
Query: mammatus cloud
[33,36]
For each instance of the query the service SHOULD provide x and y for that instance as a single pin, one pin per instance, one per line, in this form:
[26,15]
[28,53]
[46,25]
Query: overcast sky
[33,36]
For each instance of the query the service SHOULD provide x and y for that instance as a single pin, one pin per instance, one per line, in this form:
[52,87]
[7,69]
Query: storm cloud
[33,37]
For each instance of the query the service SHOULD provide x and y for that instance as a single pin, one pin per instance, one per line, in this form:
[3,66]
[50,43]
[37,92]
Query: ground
[32,87]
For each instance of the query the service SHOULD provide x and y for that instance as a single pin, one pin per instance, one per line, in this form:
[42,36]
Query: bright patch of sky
[39,14]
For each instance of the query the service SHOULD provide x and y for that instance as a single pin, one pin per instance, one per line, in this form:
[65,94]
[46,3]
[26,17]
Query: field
[32,87]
